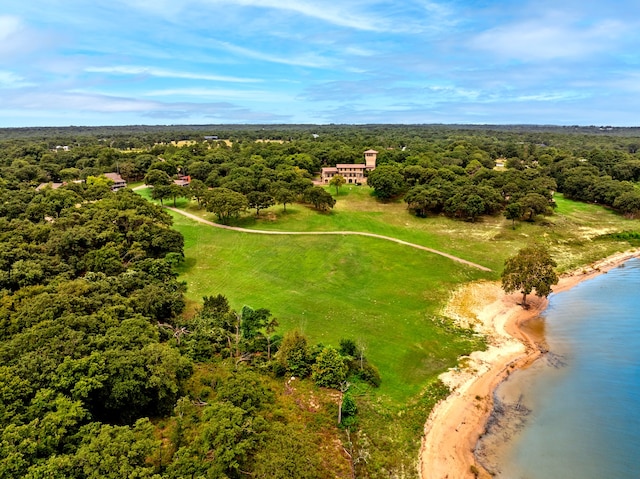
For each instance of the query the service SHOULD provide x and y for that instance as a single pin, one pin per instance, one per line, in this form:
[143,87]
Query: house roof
[114,176]
[329,169]
[350,165]
[53,186]
[371,151]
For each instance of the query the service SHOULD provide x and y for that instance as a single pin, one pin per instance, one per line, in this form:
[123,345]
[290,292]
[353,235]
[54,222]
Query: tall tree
[284,195]
[337,181]
[531,268]
[260,200]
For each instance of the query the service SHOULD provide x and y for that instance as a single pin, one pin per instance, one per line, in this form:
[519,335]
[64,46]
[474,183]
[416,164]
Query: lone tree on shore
[531,268]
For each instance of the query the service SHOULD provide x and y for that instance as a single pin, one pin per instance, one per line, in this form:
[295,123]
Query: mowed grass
[383,295]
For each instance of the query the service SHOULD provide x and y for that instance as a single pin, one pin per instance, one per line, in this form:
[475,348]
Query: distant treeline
[449,169]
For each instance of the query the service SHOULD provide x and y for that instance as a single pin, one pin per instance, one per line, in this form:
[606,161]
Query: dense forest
[104,375]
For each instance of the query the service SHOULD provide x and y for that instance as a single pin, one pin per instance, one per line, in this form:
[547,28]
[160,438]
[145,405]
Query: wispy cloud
[105,105]
[311,60]
[336,13]
[11,80]
[162,73]
[16,38]
[549,37]
[227,94]
[341,14]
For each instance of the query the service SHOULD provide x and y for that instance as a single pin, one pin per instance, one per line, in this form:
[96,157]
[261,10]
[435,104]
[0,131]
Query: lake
[575,414]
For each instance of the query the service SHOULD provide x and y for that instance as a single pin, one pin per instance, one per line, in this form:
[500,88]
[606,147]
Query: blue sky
[122,62]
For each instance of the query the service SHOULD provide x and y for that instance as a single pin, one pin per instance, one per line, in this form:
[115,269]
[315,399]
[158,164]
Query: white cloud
[554,35]
[64,101]
[15,37]
[309,60]
[85,105]
[356,15]
[225,94]
[162,73]
[549,97]
[330,12]
[11,80]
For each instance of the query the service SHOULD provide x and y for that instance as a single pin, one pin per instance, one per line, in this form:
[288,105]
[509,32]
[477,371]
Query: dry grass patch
[468,300]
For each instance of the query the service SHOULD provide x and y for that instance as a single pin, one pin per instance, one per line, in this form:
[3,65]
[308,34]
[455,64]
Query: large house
[352,173]
[118,182]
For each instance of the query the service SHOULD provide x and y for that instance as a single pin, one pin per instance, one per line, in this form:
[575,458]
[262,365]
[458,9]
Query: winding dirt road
[344,233]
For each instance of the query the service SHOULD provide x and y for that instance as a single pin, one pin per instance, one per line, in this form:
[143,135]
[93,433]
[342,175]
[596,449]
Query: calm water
[585,412]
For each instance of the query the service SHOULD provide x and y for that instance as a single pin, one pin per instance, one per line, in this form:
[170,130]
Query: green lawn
[382,294]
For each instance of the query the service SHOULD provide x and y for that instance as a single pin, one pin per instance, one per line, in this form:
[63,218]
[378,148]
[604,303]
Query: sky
[170,62]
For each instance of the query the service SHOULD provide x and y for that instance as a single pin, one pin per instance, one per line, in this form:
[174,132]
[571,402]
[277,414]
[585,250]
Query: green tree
[387,181]
[289,453]
[230,437]
[337,181]
[424,199]
[157,178]
[161,192]
[225,203]
[99,181]
[531,268]
[116,451]
[293,357]
[58,200]
[319,198]
[534,204]
[628,204]
[197,189]
[259,200]
[513,211]
[177,191]
[270,328]
[330,368]
[284,195]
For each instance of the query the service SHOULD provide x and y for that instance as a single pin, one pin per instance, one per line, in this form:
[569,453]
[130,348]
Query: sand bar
[456,423]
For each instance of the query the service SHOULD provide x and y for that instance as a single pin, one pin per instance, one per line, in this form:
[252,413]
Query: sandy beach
[456,423]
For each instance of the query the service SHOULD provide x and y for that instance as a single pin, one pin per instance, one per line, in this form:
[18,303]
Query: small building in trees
[118,182]
[52,185]
[182,181]
[353,173]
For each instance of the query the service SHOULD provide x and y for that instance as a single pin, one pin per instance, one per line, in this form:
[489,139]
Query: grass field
[381,294]
[387,297]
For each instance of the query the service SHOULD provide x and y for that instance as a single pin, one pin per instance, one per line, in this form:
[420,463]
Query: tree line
[435,169]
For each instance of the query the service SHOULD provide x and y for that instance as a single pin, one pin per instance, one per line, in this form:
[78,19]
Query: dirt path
[344,233]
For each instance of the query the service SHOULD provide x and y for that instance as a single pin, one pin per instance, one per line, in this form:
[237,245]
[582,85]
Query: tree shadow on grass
[187,265]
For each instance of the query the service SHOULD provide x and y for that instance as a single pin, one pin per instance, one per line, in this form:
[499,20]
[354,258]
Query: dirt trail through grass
[345,233]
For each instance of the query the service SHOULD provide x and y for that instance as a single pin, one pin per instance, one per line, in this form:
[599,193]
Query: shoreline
[457,423]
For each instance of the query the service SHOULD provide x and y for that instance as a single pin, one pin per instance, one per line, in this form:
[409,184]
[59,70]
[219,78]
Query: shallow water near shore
[576,412]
